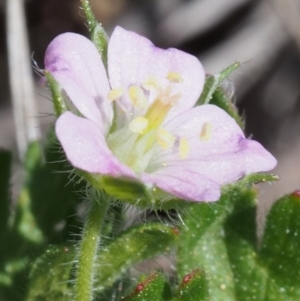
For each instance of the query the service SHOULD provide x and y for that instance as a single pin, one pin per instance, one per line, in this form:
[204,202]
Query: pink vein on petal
[75,63]
[86,148]
[133,58]
[184,183]
[224,157]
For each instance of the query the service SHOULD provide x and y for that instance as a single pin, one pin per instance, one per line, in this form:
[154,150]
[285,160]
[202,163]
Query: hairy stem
[89,245]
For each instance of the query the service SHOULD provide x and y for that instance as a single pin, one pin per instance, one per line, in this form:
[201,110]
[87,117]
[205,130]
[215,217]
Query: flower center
[143,133]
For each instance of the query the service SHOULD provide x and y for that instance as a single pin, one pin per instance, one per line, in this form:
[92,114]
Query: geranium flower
[139,121]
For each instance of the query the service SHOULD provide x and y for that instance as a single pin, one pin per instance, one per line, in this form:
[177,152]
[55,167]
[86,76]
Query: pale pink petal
[133,58]
[76,64]
[224,136]
[86,148]
[184,184]
[229,167]
[226,156]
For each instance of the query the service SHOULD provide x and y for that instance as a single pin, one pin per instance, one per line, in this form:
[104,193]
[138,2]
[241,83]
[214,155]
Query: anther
[164,139]
[137,97]
[184,148]
[114,94]
[138,125]
[175,77]
[151,83]
[206,131]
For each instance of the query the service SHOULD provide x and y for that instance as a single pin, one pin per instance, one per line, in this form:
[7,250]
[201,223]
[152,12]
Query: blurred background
[262,34]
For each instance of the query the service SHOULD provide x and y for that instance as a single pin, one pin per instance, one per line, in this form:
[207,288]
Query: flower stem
[89,245]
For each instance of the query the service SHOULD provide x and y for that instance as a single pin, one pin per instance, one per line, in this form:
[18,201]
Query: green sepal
[133,192]
[250,180]
[212,82]
[220,99]
[132,246]
[51,275]
[57,94]
[256,178]
[202,240]
[194,287]
[151,287]
[126,189]
[98,35]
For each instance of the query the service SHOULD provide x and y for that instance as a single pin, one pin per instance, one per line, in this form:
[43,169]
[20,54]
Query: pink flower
[139,122]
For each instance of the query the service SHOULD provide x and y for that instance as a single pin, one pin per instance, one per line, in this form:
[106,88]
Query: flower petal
[222,153]
[133,58]
[75,63]
[184,184]
[85,147]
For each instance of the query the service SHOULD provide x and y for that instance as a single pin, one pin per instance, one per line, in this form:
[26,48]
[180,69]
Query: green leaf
[25,221]
[98,35]
[50,277]
[271,273]
[5,166]
[202,241]
[280,250]
[46,209]
[194,287]
[132,246]
[241,247]
[212,82]
[220,99]
[45,212]
[150,288]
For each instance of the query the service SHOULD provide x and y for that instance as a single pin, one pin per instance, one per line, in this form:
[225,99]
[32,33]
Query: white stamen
[165,139]
[114,94]
[151,83]
[184,148]
[138,125]
[137,97]
[206,131]
[175,77]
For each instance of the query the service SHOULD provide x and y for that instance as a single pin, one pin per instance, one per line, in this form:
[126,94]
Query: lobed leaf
[194,287]
[202,241]
[151,287]
[53,196]
[50,277]
[279,253]
[130,247]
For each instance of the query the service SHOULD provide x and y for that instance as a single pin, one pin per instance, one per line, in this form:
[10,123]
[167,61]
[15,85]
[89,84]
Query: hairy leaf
[151,287]
[50,277]
[132,246]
